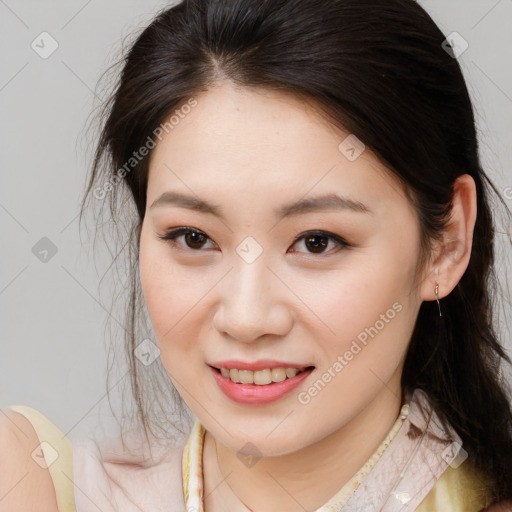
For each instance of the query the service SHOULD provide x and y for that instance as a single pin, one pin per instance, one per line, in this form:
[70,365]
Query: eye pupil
[317,245]
[197,238]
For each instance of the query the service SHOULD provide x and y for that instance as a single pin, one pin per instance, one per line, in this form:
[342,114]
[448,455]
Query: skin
[250,151]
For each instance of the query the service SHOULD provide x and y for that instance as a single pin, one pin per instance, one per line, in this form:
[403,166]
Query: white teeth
[260,377]
[291,372]
[245,376]
[279,374]
[263,377]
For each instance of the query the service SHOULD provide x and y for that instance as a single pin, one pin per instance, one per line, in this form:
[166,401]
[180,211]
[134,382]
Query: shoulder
[25,481]
[459,484]
[459,488]
[119,474]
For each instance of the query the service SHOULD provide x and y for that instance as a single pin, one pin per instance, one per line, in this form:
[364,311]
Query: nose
[253,303]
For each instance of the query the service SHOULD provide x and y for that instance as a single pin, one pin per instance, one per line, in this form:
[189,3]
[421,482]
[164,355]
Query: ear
[452,254]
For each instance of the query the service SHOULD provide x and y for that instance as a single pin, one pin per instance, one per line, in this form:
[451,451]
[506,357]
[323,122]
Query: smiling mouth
[261,377]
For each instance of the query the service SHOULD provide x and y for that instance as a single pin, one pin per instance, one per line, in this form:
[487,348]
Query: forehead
[253,141]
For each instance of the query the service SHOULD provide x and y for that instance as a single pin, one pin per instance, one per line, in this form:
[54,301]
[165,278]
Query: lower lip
[255,394]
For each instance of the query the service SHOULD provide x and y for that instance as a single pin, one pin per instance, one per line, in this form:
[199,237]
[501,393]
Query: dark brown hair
[377,69]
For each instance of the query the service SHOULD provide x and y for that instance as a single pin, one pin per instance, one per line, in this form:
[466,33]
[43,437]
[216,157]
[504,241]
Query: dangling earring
[437,298]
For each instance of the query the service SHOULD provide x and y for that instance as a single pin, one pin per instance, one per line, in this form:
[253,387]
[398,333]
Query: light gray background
[53,353]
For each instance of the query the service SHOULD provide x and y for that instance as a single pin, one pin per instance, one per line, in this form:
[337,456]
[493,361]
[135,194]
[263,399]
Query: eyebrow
[300,207]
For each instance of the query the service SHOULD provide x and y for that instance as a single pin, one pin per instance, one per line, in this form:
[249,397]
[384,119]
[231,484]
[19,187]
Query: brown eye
[316,242]
[193,238]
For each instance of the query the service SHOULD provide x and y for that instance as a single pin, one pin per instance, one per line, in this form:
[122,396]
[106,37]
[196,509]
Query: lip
[254,394]
[261,364]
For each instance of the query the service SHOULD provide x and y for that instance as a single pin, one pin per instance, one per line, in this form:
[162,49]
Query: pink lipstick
[258,394]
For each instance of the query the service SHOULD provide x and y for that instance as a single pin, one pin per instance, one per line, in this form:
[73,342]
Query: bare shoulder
[24,484]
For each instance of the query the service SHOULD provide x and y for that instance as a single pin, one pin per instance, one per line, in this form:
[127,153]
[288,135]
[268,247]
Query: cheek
[367,310]
[372,321]
[356,297]
[173,300]
[163,288]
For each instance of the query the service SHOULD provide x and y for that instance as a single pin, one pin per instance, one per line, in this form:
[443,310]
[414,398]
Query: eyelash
[171,236]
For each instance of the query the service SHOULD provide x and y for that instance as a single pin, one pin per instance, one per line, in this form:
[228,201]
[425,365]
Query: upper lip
[261,364]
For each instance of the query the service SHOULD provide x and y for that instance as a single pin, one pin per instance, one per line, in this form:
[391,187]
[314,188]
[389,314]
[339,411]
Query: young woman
[314,245]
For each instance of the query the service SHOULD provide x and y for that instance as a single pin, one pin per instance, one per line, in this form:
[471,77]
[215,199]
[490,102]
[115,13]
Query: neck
[302,480]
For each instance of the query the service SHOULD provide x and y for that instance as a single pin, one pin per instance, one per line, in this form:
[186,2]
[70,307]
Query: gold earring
[437,298]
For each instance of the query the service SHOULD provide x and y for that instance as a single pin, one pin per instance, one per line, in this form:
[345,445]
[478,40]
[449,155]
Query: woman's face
[325,286]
